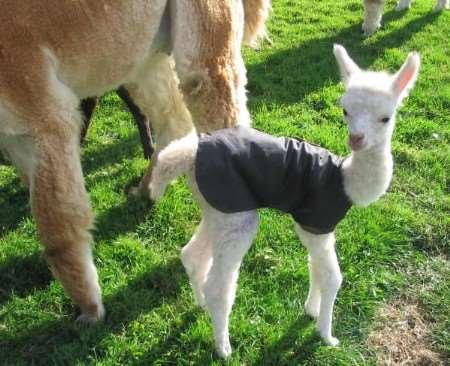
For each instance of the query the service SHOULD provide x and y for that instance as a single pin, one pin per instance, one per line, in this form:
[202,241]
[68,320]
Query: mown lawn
[396,249]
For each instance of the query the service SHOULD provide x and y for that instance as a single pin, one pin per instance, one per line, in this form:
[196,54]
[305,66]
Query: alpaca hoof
[331,341]
[440,7]
[133,191]
[90,318]
[139,198]
[224,349]
[368,30]
[139,192]
[401,7]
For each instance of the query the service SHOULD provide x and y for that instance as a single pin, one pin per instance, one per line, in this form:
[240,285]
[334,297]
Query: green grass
[385,250]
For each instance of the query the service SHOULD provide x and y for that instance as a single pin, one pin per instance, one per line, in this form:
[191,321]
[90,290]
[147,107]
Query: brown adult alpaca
[54,53]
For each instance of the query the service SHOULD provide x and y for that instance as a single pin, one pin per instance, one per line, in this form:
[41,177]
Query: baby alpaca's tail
[176,159]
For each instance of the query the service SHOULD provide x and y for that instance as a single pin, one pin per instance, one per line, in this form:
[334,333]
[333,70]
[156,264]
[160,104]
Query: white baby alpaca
[373,12]
[213,256]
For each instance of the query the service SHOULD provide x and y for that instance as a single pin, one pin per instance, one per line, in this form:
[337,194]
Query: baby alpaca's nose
[356,139]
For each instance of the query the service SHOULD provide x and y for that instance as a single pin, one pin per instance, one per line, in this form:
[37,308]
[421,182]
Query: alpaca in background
[373,12]
[221,174]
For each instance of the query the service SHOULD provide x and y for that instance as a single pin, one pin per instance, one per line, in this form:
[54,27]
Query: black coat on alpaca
[240,169]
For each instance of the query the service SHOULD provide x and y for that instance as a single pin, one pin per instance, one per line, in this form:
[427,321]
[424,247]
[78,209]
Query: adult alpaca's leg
[156,92]
[63,215]
[233,235]
[441,5]
[142,122]
[207,38]
[326,275]
[403,4]
[373,12]
[59,201]
[46,122]
[87,107]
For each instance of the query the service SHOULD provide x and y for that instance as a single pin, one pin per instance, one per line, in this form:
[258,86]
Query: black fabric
[240,169]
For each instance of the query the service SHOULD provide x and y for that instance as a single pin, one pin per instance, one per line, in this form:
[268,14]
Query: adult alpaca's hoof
[139,202]
[441,5]
[403,5]
[369,29]
[92,317]
[137,193]
[134,191]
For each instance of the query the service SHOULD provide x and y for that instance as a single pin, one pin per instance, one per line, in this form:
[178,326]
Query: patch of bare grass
[403,336]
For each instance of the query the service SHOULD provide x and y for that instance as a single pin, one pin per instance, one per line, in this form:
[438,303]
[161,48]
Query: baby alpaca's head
[371,99]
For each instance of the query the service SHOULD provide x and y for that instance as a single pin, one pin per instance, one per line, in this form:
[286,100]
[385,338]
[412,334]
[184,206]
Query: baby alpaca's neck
[367,174]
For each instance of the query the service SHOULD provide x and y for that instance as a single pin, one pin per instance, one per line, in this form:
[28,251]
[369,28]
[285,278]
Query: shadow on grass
[290,349]
[122,219]
[62,342]
[167,351]
[14,206]
[273,82]
[22,276]
[123,147]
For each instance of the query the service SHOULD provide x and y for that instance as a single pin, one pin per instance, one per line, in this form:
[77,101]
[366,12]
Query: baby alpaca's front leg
[326,278]
[312,304]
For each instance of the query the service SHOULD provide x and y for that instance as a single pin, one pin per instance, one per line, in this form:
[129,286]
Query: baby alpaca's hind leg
[233,235]
[197,258]
[327,276]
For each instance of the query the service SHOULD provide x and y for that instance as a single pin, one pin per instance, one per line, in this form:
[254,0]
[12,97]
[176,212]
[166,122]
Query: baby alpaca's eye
[385,119]
[345,112]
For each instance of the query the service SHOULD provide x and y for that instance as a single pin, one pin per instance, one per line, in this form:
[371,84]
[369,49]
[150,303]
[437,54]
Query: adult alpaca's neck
[367,174]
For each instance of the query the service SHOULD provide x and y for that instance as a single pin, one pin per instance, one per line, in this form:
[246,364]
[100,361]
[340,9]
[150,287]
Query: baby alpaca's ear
[347,66]
[405,78]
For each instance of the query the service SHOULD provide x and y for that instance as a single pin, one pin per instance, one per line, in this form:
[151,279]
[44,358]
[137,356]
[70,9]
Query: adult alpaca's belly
[103,61]
[90,46]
